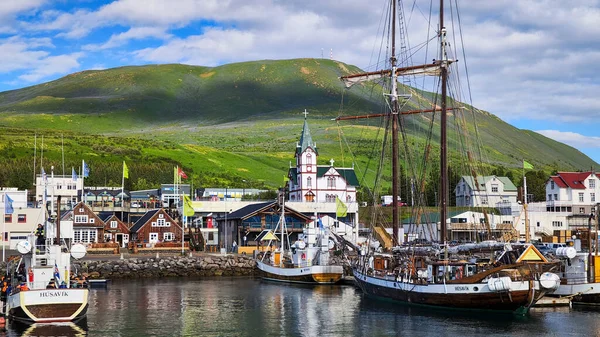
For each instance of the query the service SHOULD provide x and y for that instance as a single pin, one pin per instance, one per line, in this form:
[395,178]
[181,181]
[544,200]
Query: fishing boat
[488,275]
[305,261]
[41,291]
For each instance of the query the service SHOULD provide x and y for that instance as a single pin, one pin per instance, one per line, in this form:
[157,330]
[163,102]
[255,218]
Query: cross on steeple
[331,161]
[305,113]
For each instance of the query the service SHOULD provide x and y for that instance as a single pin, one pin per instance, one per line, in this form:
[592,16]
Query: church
[310,182]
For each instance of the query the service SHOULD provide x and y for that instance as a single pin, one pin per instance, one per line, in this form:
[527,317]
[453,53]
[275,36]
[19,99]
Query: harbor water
[251,307]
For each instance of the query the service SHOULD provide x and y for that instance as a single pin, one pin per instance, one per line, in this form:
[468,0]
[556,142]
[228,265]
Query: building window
[309,182]
[552,185]
[331,182]
[161,223]
[84,235]
[348,198]
[581,210]
[81,219]
[7,218]
[556,197]
[484,200]
[549,197]
[592,183]
[593,197]
[168,236]
[494,188]
[330,198]
[308,159]
[81,210]
[580,197]
[22,218]
[113,224]
[556,223]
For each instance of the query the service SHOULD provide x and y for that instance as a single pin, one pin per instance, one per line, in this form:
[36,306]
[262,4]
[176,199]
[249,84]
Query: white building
[309,182]
[572,192]
[23,221]
[488,192]
[52,186]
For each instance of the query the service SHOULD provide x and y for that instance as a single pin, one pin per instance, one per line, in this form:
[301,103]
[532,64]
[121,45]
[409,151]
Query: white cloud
[52,65]
[574,139]
[135,33]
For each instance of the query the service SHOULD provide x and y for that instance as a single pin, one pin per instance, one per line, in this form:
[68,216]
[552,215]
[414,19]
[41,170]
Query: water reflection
[251,307]
[77,329]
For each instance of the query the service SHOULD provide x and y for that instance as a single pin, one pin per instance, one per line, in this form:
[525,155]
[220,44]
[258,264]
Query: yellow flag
[527,166]
[125,170]
[188,209]
[340,208]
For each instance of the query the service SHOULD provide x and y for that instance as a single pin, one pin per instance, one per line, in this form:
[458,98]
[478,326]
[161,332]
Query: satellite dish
[300,244]
[23,247]
[331,244]
[78,251]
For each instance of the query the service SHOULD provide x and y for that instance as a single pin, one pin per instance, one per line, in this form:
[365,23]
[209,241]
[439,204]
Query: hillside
[235,124]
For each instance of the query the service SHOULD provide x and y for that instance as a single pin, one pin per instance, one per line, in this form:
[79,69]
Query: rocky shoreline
[181,266]
[170,266]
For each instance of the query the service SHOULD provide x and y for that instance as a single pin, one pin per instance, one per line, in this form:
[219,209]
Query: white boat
[45,271]
[306,261]
[577,283]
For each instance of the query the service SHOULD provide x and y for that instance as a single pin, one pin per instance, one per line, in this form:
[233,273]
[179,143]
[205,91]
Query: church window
[309,182]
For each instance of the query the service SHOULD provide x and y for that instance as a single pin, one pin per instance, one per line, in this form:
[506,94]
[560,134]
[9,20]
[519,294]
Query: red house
[115,230]
[156,226]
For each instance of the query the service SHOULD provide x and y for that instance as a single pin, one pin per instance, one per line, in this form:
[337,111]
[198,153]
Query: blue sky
[531,63]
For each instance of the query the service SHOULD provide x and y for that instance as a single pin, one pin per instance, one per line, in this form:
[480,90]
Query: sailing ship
[489,275]
[41,291]
[306,260]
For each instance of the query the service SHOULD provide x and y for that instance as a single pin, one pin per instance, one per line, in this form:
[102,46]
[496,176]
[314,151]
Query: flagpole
[122,190]
[3,230]
[527,234]
[83,180]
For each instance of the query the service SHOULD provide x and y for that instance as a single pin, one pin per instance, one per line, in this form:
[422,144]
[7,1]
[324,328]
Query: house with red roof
[573,192]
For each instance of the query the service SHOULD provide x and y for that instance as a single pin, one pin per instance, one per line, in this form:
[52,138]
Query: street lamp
[243,189]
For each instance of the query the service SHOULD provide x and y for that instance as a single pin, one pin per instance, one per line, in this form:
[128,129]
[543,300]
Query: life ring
[459,273]
[303,256]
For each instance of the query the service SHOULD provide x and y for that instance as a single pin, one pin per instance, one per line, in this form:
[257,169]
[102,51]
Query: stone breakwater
[207,265]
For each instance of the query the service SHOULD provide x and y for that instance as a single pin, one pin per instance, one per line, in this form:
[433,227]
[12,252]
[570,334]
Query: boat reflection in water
[67,329]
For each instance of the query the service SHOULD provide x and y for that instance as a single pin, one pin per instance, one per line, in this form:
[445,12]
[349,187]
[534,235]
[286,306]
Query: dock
[549,302]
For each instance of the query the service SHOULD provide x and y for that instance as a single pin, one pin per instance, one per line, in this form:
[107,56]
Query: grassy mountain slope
[233,125]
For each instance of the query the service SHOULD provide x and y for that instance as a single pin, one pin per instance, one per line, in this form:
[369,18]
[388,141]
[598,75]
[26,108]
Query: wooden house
[87,226]
[115,230]
[156,226]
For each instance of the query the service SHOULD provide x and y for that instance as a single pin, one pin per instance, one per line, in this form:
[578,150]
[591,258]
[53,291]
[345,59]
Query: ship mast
[443,135]
[394,104]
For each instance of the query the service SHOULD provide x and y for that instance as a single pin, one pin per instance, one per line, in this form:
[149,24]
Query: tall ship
[40,288]
[305,261]
[484,275]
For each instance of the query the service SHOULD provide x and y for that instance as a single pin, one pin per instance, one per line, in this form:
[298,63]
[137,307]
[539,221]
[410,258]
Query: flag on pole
[44,176]
[86,169]
[125,171]
[340,208]
[8,207]
[181,173]
[73,174]
[188,209]
[527,166]
[320,223]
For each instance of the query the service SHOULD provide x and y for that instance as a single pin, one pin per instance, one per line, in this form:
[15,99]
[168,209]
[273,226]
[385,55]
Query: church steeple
[305,139]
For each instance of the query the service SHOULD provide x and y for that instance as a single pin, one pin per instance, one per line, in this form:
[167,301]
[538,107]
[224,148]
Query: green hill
[233,125]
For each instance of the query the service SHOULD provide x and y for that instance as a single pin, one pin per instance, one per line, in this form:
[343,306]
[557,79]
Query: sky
[534,64]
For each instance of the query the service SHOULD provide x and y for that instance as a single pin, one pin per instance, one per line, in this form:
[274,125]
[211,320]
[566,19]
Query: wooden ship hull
[308,275]
[48,305]
[518,298]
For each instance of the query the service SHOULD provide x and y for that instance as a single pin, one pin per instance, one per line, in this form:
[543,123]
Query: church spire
[305,139]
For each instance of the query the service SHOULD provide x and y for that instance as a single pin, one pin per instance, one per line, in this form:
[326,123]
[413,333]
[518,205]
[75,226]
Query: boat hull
[308,275]
[581,293]
[48,305]
[468,296]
